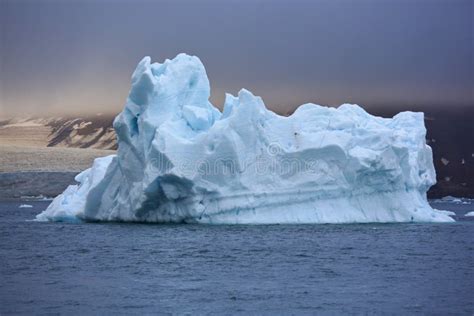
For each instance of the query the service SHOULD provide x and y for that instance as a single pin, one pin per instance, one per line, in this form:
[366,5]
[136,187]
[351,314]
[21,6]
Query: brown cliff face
[88,132]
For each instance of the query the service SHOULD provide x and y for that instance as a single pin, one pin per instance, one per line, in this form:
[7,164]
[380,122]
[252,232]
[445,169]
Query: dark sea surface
[57,268]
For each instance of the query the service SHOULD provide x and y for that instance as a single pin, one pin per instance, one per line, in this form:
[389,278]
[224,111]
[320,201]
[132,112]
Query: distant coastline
[35,149]
[34,184]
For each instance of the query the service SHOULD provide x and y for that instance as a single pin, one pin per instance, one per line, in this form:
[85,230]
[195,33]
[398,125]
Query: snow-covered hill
[88,132]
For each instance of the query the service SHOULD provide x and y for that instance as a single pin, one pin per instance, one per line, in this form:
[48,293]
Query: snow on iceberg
[181,160]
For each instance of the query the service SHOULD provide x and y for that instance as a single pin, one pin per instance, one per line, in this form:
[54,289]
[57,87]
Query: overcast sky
[69,57]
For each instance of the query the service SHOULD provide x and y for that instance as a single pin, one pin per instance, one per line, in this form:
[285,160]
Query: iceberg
[182,160]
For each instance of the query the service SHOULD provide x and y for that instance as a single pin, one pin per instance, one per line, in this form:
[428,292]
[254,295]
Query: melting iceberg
[181,160]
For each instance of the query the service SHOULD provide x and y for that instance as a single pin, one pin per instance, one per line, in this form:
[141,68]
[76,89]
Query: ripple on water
[187,269]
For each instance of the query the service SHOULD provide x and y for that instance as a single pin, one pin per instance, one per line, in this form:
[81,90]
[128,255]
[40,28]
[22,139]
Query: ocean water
[55,268]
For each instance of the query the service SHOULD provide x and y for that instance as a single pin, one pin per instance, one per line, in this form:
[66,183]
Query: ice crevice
[180,159]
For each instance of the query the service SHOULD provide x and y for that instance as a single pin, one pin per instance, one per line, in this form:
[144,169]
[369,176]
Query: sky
[76,57]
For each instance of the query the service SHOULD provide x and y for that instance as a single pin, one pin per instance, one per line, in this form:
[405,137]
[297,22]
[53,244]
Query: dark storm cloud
[76,56]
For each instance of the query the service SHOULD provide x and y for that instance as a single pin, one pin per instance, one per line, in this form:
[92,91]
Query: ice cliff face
[182,160]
